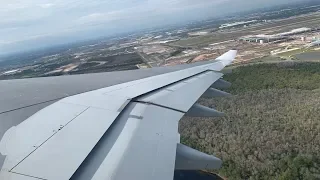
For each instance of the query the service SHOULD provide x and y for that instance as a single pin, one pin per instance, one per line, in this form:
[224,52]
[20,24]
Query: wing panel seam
[27,175]
[170,84]
[158,105]
[7,111]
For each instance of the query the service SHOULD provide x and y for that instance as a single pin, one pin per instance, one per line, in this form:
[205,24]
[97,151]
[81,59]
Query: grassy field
[272,124]
[293,54]
[195,41]
[205,40]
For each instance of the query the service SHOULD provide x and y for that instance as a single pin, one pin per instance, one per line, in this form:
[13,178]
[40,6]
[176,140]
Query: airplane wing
[119,131]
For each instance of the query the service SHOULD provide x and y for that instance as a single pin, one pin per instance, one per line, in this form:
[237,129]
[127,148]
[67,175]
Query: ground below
[272,124]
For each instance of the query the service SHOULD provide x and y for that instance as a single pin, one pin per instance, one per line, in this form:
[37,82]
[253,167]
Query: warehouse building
[281,37]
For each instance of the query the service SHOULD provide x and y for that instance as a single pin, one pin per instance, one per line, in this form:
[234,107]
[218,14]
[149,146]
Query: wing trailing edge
[221,84]
[198,110]
[191,159]
[211,92]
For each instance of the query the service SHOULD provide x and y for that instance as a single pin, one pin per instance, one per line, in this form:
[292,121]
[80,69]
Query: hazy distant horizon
[33,24]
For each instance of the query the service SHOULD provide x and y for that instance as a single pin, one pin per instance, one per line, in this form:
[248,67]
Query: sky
[27,24]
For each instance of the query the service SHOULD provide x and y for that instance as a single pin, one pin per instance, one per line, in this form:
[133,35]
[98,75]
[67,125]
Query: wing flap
[150,135]
[70,146]
[22,140]
[178,95]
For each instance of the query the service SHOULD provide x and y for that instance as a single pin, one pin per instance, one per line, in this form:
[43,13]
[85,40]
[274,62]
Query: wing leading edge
[124,131]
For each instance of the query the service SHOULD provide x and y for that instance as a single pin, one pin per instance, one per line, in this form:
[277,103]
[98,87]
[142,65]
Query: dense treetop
[272,125]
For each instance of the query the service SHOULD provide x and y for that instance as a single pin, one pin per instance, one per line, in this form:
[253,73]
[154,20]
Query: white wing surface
[125,131]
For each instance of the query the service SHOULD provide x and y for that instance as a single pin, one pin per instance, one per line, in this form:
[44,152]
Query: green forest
[272,125]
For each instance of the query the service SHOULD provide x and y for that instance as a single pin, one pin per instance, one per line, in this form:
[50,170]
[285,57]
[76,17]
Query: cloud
[46,5]
[102,17]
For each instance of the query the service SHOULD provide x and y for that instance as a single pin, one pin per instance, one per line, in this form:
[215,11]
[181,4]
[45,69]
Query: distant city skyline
[30,24]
